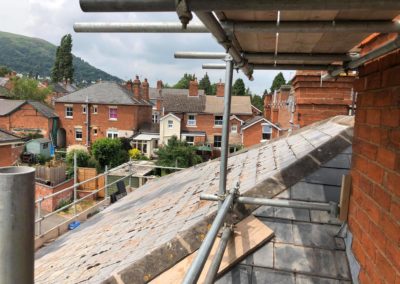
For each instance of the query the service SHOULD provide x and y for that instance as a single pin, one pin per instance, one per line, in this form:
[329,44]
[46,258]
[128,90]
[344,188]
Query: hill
[35,56]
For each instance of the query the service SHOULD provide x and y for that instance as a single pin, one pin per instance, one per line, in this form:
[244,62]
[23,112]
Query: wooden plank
[249,234]
[345,197]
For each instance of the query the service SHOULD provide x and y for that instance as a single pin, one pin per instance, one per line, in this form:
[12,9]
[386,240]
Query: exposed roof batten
[232,5]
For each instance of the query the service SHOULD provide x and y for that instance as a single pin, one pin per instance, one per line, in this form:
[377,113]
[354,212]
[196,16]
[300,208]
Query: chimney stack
[159,84]
[128,86]
[220,89]
[136,88]
[145,88]
[193,88]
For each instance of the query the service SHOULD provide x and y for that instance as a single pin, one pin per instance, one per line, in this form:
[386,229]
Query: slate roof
[8,106]
[307,247]
[158,224]
[155,93]
[103,93]
[177,102]
[8,137]
[62,88]
[239,105]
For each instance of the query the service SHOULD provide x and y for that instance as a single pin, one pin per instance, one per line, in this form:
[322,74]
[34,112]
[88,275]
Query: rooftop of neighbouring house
[7,137]
[9,106]
[154,227]
[103,93]
[63,88]
[308,246]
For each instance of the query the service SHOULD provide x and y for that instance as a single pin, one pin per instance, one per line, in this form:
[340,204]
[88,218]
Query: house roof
[255,120]
[103,93]
[9,106]
[3,81]
[170,115]
[307,247]
[239,105]
[181,102]
[8,138]
[63,88]
[40,140]
[155,93]
[158,224]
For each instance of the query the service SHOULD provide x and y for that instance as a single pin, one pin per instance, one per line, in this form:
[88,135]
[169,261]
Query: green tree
[63,68]
[4,70]
[279,80]
[27,89]
[205,85]
[213,89]
[258,102]
[177,153]
[109,152]
[239,88]
[183,83]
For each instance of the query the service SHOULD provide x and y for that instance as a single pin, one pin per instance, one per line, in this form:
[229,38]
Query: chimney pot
[145,88]
[193,88]
[136,88]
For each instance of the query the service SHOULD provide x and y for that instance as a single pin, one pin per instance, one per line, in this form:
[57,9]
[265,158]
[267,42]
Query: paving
[306,247]
[145,233]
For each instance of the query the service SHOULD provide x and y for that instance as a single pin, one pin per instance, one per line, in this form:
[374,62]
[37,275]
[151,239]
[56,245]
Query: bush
[42,159]
[82,160]
[62,203]
[178,153]
[109,152]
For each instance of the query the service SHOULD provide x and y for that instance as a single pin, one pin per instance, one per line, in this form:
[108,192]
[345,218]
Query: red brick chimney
[136,88]
[193,88]
[145,90]
[128,86]
[220,89]
[267,106]
[159,84]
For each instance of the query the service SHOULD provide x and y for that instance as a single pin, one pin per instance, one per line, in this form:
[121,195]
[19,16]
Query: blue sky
[124,55]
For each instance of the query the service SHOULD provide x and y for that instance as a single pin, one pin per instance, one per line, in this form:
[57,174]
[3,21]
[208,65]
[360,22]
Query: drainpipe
[17,212]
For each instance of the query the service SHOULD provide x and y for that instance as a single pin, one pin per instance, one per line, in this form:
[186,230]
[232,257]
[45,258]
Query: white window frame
[191,122]
[109,113]
[95,131]
[219,141]
[219,122]
[95,109]
[262,131]
[77,130]
[155,118]
[170,124]
[84,109]
[69,109]
[112,133]
[189,142]
[234,128]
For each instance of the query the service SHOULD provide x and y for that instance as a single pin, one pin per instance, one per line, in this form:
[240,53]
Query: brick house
[309,100]
[28,117]
[104,109]
[11,147]
[258,130]
[201,116]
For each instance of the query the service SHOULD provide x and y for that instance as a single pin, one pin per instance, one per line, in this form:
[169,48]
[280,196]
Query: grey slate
[269,276]
[43,109]
[7,137]
[241,274]
[327,176]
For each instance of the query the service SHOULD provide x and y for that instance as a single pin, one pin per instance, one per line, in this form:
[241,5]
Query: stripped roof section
[158,224]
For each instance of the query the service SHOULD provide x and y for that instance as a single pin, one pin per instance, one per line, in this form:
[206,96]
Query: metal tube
[216,262]
[313,27]
[193,274]
[238,5]
[199,55]
[225,127]
[275,67]
[285,203]
[17,229]
[105,181]
[270,57]
[76,178]
[156,27]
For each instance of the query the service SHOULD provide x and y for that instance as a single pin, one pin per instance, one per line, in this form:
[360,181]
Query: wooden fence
[87,173]
[54,175]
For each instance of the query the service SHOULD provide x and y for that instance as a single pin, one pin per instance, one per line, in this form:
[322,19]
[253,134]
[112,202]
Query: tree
[4,70]
[109,152]
[247,92]
[184,82]
[239,88]
[27,89]
[63,68]
[205,85]
[279,80]
[177,153]
[257,101]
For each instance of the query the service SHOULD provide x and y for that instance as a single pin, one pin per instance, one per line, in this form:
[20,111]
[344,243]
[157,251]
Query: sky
[150,56]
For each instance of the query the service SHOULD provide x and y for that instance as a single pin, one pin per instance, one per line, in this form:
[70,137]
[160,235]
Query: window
[141,145]
[217,141]
[69,112]
[170,124]
[218,120]
[45,145]
[266,131]
[83,108]
[191,120]
[113,134]
[94,109]
[190,140]
[234,128]
[78,134]
[113,114]
[155,118]
[95,131]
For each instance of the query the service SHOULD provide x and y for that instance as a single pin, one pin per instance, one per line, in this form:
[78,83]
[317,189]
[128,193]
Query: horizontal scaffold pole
[218,66]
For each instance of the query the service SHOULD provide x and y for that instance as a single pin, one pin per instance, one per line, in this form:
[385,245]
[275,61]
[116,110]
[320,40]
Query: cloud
[123,55]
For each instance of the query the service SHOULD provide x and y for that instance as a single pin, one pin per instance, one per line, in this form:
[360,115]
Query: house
[258,130]
[40,146]
[28,118]
[309,100]
[105,109]
[59,90]
[11,147]
[192,116]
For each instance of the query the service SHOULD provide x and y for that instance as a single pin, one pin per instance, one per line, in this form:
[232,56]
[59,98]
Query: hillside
[36,56]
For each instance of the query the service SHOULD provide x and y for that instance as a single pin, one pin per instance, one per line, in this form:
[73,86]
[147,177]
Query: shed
[39,146]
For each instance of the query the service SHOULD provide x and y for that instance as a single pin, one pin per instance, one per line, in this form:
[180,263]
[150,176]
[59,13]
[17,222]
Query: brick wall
[50,204]
[5,156]
[374,215]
